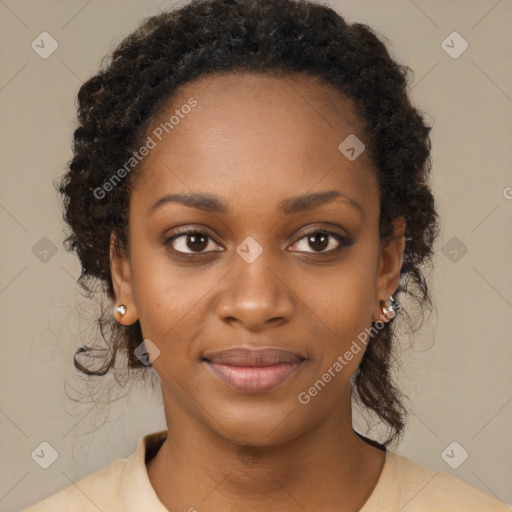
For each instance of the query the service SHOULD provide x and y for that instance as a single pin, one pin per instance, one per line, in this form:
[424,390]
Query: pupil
[198,242]
[319,236]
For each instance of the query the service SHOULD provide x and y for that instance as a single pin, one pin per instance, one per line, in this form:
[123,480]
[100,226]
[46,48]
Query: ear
[121,280]
[390,263]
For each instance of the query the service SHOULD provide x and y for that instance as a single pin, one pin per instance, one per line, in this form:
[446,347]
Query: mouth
[253,370]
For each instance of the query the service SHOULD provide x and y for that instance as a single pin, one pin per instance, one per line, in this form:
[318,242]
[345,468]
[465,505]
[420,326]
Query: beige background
[458,373]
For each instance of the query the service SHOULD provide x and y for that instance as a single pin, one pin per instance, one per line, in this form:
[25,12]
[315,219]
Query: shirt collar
[136,491]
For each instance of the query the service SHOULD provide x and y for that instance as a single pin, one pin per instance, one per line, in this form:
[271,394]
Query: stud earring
[121,309]
[388,310]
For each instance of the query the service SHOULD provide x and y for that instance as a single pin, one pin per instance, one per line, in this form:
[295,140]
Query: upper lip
[243,356]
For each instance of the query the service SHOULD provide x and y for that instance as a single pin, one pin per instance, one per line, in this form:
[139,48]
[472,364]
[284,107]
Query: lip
[255,357]
[253,370]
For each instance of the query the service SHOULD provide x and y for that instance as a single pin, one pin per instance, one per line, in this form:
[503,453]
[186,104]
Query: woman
[250,185]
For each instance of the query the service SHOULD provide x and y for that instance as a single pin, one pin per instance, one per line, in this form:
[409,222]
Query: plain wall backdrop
[457,373]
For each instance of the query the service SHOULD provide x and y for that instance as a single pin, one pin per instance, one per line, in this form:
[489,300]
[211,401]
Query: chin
[261,426]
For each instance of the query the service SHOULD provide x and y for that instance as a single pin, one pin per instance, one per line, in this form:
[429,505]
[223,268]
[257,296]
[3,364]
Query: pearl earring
[391,308]
[121,309]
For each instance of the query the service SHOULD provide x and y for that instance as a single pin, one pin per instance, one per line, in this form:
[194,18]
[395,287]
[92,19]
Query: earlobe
[125,311]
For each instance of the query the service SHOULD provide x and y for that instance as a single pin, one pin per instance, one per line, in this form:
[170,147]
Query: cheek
[343,308]
[158,295]
[342,300]
[171,303]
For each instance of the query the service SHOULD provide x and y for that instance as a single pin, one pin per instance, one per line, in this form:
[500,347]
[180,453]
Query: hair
[286,37]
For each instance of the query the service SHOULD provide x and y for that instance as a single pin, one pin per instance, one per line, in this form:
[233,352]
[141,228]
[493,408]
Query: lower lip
[251,379]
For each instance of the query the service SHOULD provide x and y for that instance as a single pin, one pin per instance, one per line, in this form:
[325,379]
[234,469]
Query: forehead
[257,134]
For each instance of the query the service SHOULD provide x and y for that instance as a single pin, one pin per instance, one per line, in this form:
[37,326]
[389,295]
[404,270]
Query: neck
[327,468]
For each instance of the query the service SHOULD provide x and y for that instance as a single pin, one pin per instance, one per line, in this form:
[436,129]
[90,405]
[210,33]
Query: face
[250,228]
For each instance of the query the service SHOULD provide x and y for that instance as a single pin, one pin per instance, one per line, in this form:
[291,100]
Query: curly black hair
[286,37]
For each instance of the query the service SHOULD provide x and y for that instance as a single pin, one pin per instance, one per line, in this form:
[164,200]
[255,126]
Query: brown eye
[319,241]
[190,242]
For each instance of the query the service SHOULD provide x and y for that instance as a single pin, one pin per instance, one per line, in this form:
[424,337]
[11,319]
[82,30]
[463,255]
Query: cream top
[403,486]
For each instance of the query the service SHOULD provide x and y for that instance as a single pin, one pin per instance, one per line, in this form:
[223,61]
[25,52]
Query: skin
[254,141]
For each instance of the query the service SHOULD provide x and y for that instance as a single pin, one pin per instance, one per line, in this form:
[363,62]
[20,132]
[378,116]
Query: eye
[319,240]
[194,240]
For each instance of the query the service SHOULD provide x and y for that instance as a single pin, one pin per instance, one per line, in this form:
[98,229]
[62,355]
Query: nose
[256,295]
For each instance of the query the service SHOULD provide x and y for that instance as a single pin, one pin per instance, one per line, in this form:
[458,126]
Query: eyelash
[343,241]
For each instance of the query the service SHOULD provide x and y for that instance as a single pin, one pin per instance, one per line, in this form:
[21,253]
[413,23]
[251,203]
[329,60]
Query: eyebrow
[214,204]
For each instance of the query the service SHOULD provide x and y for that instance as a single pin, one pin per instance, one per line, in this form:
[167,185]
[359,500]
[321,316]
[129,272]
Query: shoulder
[92,493]
[411,487]
[124,485]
